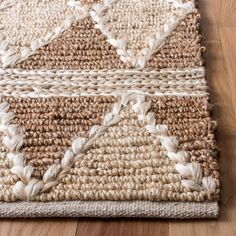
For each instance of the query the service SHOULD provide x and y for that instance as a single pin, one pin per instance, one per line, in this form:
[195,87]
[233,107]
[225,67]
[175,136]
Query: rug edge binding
[110,209]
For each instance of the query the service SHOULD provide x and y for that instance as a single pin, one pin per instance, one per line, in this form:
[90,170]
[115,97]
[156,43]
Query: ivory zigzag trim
[5,4]
[155,41]
[42,83]
[28,187]
[9,55]
[78,5]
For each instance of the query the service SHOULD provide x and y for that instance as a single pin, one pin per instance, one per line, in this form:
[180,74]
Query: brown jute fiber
[105,110]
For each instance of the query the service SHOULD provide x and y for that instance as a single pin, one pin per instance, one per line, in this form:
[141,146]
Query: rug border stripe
[110,209]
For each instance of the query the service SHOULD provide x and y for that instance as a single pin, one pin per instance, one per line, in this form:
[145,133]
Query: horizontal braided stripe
[48,83]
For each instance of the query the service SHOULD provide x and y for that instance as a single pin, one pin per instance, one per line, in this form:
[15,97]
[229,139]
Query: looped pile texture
[104,109]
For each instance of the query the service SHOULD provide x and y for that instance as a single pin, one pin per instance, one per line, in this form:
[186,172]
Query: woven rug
[104,110]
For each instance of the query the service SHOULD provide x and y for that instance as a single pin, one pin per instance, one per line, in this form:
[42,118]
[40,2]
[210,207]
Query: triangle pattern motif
[28,25]
[137,29]
[82,46]
[129,141]
[48,126]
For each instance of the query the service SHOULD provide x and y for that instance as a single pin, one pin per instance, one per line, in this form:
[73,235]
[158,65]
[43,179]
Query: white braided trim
[8,57]
[28,187]
[80,6]
[5,4]
[42,83]
[198,71]
[155,42]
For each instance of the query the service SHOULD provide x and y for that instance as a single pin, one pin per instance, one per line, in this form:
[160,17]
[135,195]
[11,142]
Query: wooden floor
[219,31]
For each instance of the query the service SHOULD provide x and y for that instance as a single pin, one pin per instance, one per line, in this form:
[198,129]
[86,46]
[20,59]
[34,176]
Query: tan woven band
[180,210]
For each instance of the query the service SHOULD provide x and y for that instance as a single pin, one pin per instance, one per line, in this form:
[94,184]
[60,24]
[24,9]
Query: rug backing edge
[110,209]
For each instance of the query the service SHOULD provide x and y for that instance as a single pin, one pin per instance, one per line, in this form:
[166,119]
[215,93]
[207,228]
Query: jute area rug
[104,110]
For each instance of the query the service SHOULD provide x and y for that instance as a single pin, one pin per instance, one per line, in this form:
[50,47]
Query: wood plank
[227,13]
[228,36]
[45,227]
[211,11]
[218,12]
[122,227]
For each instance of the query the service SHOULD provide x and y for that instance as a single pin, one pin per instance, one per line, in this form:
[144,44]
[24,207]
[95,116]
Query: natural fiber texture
[46,123]
[108,209]
[85,47]
[104,110]
[65,83]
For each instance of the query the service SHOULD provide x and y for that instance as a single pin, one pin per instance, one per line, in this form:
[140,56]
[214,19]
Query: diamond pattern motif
[26,26]
[139,28]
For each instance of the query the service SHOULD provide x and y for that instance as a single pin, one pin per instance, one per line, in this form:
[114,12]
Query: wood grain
[45,227]
[219,32]
[121,227]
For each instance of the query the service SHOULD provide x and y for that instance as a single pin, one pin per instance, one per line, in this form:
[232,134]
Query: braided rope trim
[156,41]
[10,58]
[27,188]
[42,83]
[93,72]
